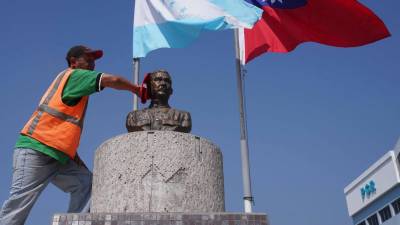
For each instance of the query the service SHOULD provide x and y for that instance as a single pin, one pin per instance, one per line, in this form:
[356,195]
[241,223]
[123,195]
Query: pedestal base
[161,219]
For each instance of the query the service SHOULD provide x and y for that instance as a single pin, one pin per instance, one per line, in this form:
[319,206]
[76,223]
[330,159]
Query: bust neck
[158,103]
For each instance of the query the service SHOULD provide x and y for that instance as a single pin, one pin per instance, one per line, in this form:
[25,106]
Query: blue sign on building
[368,189]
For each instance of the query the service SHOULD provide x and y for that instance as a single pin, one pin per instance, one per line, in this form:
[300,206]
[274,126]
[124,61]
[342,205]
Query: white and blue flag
[176,23]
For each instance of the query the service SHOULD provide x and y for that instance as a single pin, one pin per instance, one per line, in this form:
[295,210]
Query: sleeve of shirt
[81,83]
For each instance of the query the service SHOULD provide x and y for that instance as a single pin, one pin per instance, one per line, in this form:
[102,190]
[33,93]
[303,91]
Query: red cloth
[340,23]
[143,91]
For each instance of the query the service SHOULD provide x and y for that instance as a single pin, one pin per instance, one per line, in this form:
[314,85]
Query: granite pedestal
[158,178]
[158,171]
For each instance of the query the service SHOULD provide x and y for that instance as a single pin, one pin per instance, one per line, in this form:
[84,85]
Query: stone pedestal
[158,171]
[158,178]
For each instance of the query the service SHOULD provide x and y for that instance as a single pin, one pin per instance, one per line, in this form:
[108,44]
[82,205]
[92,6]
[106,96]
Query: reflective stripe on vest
[60,115]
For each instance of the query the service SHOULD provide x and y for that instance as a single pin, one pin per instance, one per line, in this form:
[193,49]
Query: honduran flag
[287,23]
[176,23]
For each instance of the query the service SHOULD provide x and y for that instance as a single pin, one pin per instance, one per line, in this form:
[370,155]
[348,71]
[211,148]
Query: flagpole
[136,71]
[248,198]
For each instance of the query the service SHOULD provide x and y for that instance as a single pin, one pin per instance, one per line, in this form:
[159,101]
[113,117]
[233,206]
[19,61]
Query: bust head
[159,89]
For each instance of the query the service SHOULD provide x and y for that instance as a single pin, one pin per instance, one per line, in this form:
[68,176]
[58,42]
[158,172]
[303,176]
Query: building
[374,197]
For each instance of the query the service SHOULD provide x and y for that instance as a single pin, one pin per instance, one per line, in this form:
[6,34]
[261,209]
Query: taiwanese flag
[288,23]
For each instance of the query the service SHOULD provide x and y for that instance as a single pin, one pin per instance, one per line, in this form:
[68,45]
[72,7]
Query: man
[46,149]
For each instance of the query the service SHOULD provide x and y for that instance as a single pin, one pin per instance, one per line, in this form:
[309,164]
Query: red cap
[79,50]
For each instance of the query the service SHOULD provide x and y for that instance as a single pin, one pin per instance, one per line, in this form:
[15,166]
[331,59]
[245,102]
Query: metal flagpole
[248,198]
[136,71]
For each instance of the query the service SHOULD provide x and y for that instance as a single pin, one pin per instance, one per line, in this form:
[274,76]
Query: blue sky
[317,117]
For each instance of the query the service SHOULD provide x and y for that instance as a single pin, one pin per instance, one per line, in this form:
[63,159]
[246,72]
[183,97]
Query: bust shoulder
[138,120]
[182,114]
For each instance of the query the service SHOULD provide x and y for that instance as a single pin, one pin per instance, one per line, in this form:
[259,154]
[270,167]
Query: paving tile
[159,219]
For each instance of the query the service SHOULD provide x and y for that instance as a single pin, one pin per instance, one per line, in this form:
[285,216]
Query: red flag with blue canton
[287,23]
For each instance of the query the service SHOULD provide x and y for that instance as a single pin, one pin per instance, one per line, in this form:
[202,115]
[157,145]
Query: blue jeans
[32,172]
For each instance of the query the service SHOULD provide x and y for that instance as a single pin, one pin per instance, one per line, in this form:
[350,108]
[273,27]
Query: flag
[287,23]
[176,23]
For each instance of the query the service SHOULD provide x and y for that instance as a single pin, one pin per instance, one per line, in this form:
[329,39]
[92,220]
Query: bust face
[160,85]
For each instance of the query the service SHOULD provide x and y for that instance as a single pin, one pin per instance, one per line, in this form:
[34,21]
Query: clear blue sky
[317,117]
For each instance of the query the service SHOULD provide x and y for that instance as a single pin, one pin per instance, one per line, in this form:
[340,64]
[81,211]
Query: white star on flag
[273,1]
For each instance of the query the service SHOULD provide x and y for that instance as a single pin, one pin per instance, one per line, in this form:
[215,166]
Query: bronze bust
[159,115]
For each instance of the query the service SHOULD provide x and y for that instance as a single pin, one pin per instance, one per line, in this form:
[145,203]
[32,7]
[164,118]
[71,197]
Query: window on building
[362,223]
[396,206]
[373,220]
[385,213]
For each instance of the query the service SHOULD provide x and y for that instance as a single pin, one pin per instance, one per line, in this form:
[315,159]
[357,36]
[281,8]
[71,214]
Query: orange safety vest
[56,124]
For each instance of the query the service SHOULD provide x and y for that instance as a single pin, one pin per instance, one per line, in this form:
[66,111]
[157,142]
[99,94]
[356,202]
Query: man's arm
[119,83]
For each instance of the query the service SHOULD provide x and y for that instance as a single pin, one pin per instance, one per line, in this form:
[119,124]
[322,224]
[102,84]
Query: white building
[374,197]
